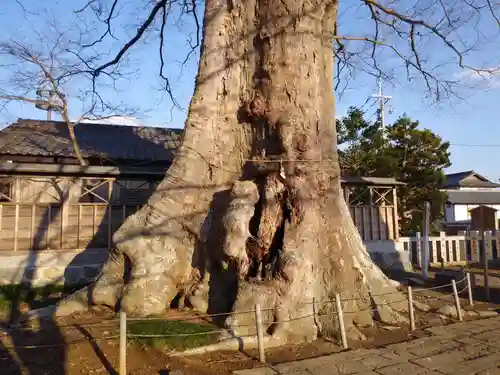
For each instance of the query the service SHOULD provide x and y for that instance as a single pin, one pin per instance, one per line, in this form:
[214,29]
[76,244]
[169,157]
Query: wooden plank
[390,223]
[33,234]
[49,221]
[488,245]
[94,220]
[1,216]
[63,225]
[383,227]
[395,213]
[16,227]
[78,234]
[374,223]
[366,223]
[442,248]
[474,239]
[359,221]
[110,213]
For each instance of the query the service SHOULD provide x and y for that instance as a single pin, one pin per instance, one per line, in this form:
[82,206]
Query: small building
[66,213]
[467,191]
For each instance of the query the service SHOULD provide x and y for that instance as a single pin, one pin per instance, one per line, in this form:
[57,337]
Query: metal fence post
[123,343]
[469,289]
[485,266]
[260,334]
[340,316]
[457,300]
[411,311]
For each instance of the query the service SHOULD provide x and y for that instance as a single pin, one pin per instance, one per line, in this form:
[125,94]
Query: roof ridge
[111,141]
[36,121]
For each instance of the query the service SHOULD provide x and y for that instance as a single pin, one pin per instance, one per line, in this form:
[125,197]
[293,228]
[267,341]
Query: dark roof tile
[111,142]
[467,179]
[473,197]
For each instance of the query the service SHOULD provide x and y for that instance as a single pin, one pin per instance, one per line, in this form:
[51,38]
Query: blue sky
[470,125]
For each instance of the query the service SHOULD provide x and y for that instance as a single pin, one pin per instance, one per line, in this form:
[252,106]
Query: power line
[473,145]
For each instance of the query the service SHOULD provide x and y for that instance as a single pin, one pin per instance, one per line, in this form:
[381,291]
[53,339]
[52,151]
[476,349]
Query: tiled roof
[474,197]
[468,179]
[108,142]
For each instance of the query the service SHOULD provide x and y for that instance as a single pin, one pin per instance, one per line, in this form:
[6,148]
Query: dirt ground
[88,344]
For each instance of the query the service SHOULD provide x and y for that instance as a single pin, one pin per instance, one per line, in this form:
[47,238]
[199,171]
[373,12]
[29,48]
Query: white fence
[466,247]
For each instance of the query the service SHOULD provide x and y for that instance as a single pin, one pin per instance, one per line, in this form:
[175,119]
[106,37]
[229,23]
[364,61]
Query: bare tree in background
[47,74]
[251,209]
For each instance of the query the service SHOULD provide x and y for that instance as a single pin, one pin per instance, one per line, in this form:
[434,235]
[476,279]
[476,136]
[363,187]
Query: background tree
[417,157]
[256,182]
[47,73]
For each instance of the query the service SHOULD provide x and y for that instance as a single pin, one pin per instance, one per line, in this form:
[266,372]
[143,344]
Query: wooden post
[340,316]
[425,244]
[1,215]
[496,238]
[49,220]
[110,211]
[485,268]
[418,249]
[457,300]
[469,289]
[123,343]
[63,223]
[411,311]
[260,333]
[395,218]
[488,245]
[462,247]
[474,246]
[16,227]
[32,227]
[94,220]
[443,250]
[346,194]
[78,233]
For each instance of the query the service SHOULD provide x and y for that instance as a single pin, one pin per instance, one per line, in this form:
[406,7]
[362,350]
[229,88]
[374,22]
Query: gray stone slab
[468,340]
[473,366]
[351,367]
[491,335]
[478,350]
[256,371]
[321,365]
[438,361]
[492,371]
[405,368]
[491,322]
[349,355]
[425,347]
[372,363]
[399,357]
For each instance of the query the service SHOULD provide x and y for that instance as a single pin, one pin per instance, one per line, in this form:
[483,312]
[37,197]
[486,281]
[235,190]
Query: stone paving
[468,348]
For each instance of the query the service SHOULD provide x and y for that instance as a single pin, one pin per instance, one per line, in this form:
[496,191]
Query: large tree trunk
[228,227]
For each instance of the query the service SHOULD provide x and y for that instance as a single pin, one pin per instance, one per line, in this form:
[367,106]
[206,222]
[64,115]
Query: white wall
[461,211]
[449,212]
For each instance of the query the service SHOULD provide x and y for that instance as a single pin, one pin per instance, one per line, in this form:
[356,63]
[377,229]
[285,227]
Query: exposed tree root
[311,263]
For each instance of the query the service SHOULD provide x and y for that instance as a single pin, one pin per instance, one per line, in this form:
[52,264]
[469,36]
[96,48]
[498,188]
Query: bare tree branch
[107,21]
[140,31]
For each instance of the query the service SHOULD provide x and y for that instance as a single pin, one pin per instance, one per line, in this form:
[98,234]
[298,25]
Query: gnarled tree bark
[251,209]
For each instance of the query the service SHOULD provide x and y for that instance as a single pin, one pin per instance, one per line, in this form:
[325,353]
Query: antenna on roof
[49,100]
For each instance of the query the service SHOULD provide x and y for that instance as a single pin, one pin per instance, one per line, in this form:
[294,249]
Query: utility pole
[382,99]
